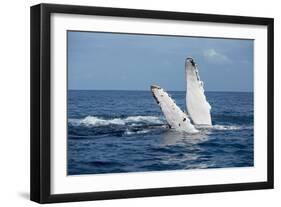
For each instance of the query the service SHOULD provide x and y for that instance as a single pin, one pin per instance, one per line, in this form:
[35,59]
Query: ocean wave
[129,132]
[230,127]
[90,121]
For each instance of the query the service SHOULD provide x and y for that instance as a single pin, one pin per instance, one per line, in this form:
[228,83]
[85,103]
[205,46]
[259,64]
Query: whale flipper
[196,103]
[175,117]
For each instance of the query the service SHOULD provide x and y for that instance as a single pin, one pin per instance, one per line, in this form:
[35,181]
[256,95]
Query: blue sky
[108,61]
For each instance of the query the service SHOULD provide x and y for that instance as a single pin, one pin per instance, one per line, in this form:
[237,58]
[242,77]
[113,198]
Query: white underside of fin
[196,103]
[175,117]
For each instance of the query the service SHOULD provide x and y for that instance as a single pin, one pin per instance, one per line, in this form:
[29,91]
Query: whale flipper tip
[191,60]
[155,87]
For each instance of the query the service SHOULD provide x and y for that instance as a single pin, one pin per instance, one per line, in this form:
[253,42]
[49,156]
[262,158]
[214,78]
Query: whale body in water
[198,109]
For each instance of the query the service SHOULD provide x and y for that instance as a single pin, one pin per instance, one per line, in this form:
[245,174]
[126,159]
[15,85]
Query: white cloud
[213,56]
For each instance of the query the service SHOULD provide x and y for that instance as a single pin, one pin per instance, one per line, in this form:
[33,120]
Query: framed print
[133,103]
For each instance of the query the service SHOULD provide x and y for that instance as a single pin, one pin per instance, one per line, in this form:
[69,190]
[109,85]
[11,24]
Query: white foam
[149,119]
[128,132]
[230,127]
[96,121]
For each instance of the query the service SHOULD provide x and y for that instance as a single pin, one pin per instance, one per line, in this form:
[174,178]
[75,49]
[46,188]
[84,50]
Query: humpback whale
[198,109]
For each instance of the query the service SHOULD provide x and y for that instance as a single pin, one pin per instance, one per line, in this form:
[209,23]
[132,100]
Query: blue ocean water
[125,131]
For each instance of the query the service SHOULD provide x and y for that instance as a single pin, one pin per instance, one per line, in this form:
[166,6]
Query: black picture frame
[40,184]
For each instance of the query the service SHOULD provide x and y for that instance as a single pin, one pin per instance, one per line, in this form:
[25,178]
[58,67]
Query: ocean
[125,131]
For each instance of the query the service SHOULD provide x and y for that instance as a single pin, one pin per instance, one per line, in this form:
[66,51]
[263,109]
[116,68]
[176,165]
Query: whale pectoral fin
[175,117]
[196,103]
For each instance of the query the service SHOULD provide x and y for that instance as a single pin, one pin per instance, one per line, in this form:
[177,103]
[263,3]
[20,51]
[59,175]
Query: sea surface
[125,131]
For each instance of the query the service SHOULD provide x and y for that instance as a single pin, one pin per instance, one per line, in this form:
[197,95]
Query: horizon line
[148,90]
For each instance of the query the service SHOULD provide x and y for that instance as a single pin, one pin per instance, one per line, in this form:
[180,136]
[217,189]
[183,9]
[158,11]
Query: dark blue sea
[125,131]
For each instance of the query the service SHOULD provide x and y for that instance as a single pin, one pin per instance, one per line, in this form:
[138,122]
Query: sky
[112,61]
